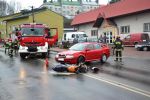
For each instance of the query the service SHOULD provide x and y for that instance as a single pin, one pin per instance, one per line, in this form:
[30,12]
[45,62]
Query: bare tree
[14,6]
[3,5]
[9,8]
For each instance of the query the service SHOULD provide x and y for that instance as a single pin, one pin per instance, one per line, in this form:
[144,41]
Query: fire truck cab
[36,39]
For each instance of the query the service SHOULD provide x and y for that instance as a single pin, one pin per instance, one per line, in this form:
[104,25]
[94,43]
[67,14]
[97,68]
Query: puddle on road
[22,77]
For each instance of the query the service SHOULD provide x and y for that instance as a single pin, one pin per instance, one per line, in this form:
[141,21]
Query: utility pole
[33,14]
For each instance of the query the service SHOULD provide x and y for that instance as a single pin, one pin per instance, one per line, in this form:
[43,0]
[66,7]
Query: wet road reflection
[29,80]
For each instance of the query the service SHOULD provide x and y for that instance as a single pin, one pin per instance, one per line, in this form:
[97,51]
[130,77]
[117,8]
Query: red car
[84,52]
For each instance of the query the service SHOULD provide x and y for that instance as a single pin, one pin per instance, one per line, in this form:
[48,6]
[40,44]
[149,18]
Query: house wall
[105,28]
[136,22]
[87,29]
[3,24]
[50,18]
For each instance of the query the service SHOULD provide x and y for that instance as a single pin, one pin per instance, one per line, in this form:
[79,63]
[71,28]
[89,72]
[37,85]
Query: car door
[126,40]
[97,51]
[90,55]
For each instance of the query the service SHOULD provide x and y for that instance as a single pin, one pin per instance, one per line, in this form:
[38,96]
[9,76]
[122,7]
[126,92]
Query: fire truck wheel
[44,55]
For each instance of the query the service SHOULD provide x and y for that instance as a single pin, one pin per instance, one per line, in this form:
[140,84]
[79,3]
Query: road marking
[121,85]
[118,84]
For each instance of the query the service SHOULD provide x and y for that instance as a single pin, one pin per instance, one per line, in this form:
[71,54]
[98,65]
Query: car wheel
[103,58]
[81,59]
[135,43]
[145,48]
[138,49]
[44,55]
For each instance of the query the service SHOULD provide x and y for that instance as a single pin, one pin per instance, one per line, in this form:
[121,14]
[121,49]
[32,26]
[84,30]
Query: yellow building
[41,16]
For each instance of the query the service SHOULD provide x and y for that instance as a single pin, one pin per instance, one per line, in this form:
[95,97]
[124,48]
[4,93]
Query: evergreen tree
[7,8]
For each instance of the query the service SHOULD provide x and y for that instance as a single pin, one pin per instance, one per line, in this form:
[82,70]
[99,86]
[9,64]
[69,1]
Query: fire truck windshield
[32,31]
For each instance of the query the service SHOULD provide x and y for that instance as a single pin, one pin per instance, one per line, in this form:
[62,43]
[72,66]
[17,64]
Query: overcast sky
[25,4]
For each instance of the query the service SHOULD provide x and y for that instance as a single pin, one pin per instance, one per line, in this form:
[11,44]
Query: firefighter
[10,51]
[7,45]
[118,46]
[15,46]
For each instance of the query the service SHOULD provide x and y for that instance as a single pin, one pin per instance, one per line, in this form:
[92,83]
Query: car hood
[69,52]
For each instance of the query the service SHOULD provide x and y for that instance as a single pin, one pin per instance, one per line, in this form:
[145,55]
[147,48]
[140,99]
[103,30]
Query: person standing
[118,46]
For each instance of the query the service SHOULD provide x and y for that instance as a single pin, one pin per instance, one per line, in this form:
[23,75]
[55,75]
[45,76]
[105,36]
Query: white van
[70,36]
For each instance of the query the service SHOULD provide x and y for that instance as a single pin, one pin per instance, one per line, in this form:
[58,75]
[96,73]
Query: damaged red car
[84,52]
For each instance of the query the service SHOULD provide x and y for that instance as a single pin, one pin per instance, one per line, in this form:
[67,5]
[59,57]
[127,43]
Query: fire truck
[36,39]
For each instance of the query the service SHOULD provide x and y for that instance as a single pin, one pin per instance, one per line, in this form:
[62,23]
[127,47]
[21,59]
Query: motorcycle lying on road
[70,69]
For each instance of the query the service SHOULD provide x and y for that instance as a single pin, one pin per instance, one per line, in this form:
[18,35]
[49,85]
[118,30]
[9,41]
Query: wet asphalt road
[28,80]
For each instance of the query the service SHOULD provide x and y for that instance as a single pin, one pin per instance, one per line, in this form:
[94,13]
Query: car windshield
[32,31]
[78,47]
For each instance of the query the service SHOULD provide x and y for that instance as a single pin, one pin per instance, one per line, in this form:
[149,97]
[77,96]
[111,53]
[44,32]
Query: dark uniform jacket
[118,44]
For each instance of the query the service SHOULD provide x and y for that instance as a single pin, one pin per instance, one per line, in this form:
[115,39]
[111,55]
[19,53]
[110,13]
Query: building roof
[86,17]
[121,8]
[27,13]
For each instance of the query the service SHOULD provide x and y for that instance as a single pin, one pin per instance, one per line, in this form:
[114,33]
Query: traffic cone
[46,63]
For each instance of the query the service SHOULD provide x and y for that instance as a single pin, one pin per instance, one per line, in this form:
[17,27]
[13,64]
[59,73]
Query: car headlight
[69,56]
[43,47]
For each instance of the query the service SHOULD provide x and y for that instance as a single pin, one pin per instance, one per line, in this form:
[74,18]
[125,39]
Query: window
[90,47]
[73,36]
[32,31]
[94,32]
[146,27]
[125,29]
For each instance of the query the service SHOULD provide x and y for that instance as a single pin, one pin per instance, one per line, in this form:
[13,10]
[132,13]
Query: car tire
[44,55]
[138,49]
[135,43]
[103,58]
[145,48]
[81,59]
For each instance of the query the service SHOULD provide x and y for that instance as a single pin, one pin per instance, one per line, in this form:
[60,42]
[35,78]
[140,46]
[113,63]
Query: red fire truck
[36,39]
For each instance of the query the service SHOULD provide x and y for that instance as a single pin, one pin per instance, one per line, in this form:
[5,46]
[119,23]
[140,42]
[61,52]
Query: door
[90,54]
[97,51]
[108,37]
[126,40]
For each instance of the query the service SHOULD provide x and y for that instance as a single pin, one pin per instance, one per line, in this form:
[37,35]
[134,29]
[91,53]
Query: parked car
[145,46]
[71,36]
[135,38]
[84,52]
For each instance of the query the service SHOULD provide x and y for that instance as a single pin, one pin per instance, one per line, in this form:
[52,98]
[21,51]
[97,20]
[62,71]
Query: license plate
[60,59]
